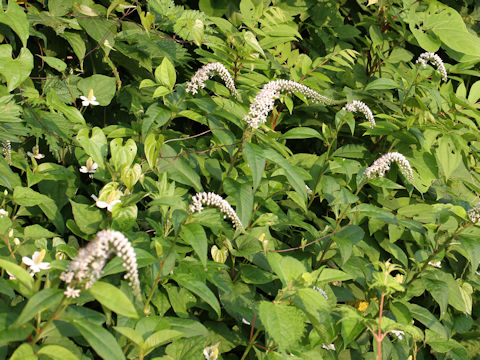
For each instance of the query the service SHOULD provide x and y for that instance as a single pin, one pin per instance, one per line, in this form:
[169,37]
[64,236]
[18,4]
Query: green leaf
[376,213]
[256,162]
[195,236]
[133,335]
[55,63]
[113,298]
[39,302]
[284,323]
[329,275]
[161,337]
[24,352]
[313,304]
[439,291]
[124,217]
[102,30]
[103,87]
[95,146]
[253,275]
[448,156]
[36,232]
[87,218]
[302,133]
[15,70]
[152,146]
[122,155]
[28,197]
[427,319]
[100,340]
[252,41]
[381,84]
[20,273]
[56,352]
[181,170]
[16,18]
[77,43]
[200,289]
[286,267]
[346,240]
[165,74]
[294,179]
[8,178]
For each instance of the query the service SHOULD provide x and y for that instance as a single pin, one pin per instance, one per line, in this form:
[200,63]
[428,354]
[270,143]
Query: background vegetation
[330,264]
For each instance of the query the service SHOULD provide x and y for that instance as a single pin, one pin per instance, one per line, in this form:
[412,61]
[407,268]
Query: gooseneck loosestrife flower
[206,72]
[212,199]
[264,100]
[360,106]
[382,165]
[474,214]
[436,61]
[87,267]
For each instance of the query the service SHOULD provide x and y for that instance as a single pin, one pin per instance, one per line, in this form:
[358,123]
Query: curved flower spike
[356,105]
[87,267]
[212,199]
[435,60]
[382,165]
[206,72]
[263,102]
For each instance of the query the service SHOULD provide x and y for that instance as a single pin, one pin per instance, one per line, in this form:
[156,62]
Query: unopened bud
[10,233]
[60,255]
[5,192]
[16,241]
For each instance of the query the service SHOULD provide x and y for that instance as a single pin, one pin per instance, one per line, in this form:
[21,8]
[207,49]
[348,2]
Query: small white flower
[212,199]
[435,60]
[437,264]
[35,263]
[71,292]
[35,153]
[474,214]
[329,347]
[382,165]
[90,99]
[398,333]
[90,167]
[211,352]
[363,108]
[309,191]
[108,197]
[3,213]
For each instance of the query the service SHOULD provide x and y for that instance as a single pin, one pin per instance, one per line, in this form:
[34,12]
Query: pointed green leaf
[20,273]
[113,298]
[56,352]
[95,145]
[100,340]
[15,70]
[256,162]
[39,302]
[200,289]
[16,18]
[195,236]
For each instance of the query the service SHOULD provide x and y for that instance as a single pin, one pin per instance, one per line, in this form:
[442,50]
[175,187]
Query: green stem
[250,344]
[56,314]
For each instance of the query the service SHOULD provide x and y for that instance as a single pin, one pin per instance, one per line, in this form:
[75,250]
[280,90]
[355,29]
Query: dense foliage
[243,209]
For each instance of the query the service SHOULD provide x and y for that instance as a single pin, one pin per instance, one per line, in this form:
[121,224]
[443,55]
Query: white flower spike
[206,72]
[35,263]
[436,61]
[474,214]
[356,105]
[87,267]
[89,100]
[212,199]
[265,99]
[382,165]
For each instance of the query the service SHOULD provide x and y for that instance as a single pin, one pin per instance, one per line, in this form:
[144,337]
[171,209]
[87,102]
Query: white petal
[84,169]
[102,204]
[44,265]
[84,98]
[27,261]
[94,166]
[93,102]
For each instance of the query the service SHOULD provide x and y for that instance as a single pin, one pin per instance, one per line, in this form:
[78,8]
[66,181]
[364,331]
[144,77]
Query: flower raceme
[212,199]
[265,98]
[436,61]
[382,165]
[87,267]
[356,105]
[206,72]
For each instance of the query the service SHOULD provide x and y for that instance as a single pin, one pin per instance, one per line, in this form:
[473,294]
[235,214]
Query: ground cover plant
[247,179]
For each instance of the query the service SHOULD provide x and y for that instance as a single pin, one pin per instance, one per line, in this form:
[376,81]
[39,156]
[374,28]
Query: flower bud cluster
[212,199]
[206,72]
[87,267]
[382,165]
[436,61]
[263,102]
[474,214]
[360,106]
